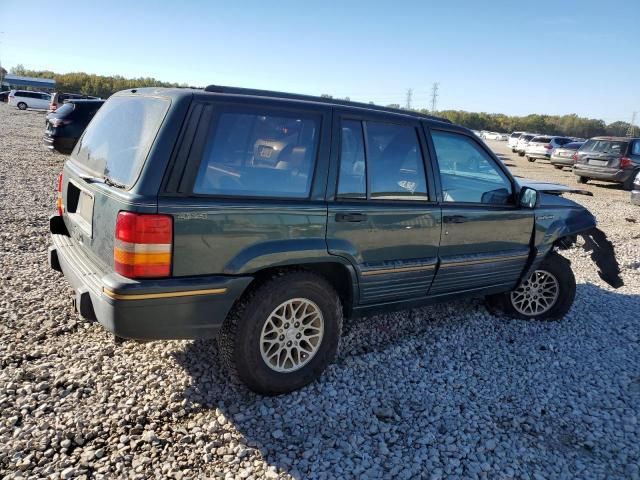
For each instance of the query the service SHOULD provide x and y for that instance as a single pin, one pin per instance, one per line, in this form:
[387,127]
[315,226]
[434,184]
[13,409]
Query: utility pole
[409,95]
[434,97]
[631,131]
[1,74]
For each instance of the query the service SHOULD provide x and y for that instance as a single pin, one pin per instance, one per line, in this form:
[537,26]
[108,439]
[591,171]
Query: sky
[550,57]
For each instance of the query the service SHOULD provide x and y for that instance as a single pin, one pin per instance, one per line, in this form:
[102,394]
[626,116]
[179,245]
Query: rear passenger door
[382,216]
[485,235]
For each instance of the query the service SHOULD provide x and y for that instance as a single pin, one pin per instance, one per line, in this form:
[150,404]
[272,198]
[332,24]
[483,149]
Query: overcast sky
[552,57]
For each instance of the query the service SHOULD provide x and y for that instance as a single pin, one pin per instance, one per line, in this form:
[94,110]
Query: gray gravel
[448,391]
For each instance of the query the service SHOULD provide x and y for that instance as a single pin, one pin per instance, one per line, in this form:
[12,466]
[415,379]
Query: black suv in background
[64,126]
[610,159]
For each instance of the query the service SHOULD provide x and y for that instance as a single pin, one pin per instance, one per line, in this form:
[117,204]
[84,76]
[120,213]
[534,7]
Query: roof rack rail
[312,98]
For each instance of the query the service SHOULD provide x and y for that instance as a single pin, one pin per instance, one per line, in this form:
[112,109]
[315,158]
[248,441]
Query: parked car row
[608,159]
[486,135]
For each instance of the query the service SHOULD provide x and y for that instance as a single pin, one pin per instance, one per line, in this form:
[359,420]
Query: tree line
[570,125]
[89,84]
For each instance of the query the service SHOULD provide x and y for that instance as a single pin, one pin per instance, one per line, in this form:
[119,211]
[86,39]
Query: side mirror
[528,197]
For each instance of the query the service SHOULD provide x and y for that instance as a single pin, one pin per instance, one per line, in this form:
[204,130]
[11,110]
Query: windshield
[117,141]
[605,146]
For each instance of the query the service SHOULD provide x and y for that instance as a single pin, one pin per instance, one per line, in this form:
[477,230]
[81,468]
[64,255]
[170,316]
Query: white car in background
[542,146]
[24,99]
[513,140]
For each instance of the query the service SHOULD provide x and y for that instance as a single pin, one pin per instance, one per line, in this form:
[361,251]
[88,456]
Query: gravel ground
[447,391]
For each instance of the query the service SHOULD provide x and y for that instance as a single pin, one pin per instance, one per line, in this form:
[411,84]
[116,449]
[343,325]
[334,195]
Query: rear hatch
[540,145]
[99,180]
[603,153]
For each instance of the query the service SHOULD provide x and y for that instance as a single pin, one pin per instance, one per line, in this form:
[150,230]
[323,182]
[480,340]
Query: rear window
[605,146]
[65,109]
[573,145]
[527,137]
[515,134]
[259,154]
[541,140]
[116,143]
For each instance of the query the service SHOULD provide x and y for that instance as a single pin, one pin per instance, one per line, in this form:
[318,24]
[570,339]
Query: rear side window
[394,168]
[117,142]
[605,146]
[259,155]
[541,140]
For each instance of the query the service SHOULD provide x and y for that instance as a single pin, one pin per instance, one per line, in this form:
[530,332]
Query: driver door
[486,238]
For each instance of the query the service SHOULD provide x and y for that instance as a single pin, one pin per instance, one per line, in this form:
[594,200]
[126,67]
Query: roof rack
[312,98]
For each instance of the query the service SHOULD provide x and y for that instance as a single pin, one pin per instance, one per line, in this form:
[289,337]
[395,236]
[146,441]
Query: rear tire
[582,179]
[558,167]
[268,319]
[22,106]
[521,154]
[546,295]
[628,184]
[531,159]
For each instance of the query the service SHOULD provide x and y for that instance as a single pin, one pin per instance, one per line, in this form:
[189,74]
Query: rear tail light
[625,162]
[575,158]
[143,245]
[58,122]
[59,204]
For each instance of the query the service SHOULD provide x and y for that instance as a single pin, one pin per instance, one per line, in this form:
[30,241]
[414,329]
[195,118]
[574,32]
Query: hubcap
[536,295]
[292,335]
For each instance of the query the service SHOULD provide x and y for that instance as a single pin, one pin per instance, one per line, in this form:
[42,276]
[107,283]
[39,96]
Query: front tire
[521,154]
[558,167]
[547,294]
[531,159]
[283,333]
[628,184]
[22,106]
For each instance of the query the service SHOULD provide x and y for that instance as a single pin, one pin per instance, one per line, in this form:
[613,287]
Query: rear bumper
[174,308]
[538,155]
[635,197]
[566,161]
[602,173]
[60,144]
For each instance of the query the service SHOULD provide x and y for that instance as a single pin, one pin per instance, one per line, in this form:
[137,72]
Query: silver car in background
[563,156]
[540,147]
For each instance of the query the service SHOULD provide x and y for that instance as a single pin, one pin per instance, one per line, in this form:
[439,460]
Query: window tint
[636,148]
[541,140]
[605,146]
[352,180]
[394,161]
[468,173]
[253,154]
[116,143]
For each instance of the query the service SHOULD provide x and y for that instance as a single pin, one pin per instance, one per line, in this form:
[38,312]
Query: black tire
[531,159]
[558,167]
[239,339]
[22,106]
[560,268]
[628,184]
[521,154]
[582,180]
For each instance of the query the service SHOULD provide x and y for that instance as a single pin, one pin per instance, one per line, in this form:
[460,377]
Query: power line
[434,97]
[631,131]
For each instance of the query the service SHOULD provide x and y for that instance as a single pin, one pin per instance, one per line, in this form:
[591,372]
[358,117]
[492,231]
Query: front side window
[467,173]
[258,154]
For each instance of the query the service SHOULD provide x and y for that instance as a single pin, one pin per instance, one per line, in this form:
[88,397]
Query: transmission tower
[631,131]
[409,95]
[434,96]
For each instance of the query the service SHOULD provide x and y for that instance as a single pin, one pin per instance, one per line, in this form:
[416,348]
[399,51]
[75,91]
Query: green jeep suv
[265,218]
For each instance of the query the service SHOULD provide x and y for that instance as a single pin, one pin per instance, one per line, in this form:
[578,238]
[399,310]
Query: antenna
[631,131]
[409,95]
[434,96]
